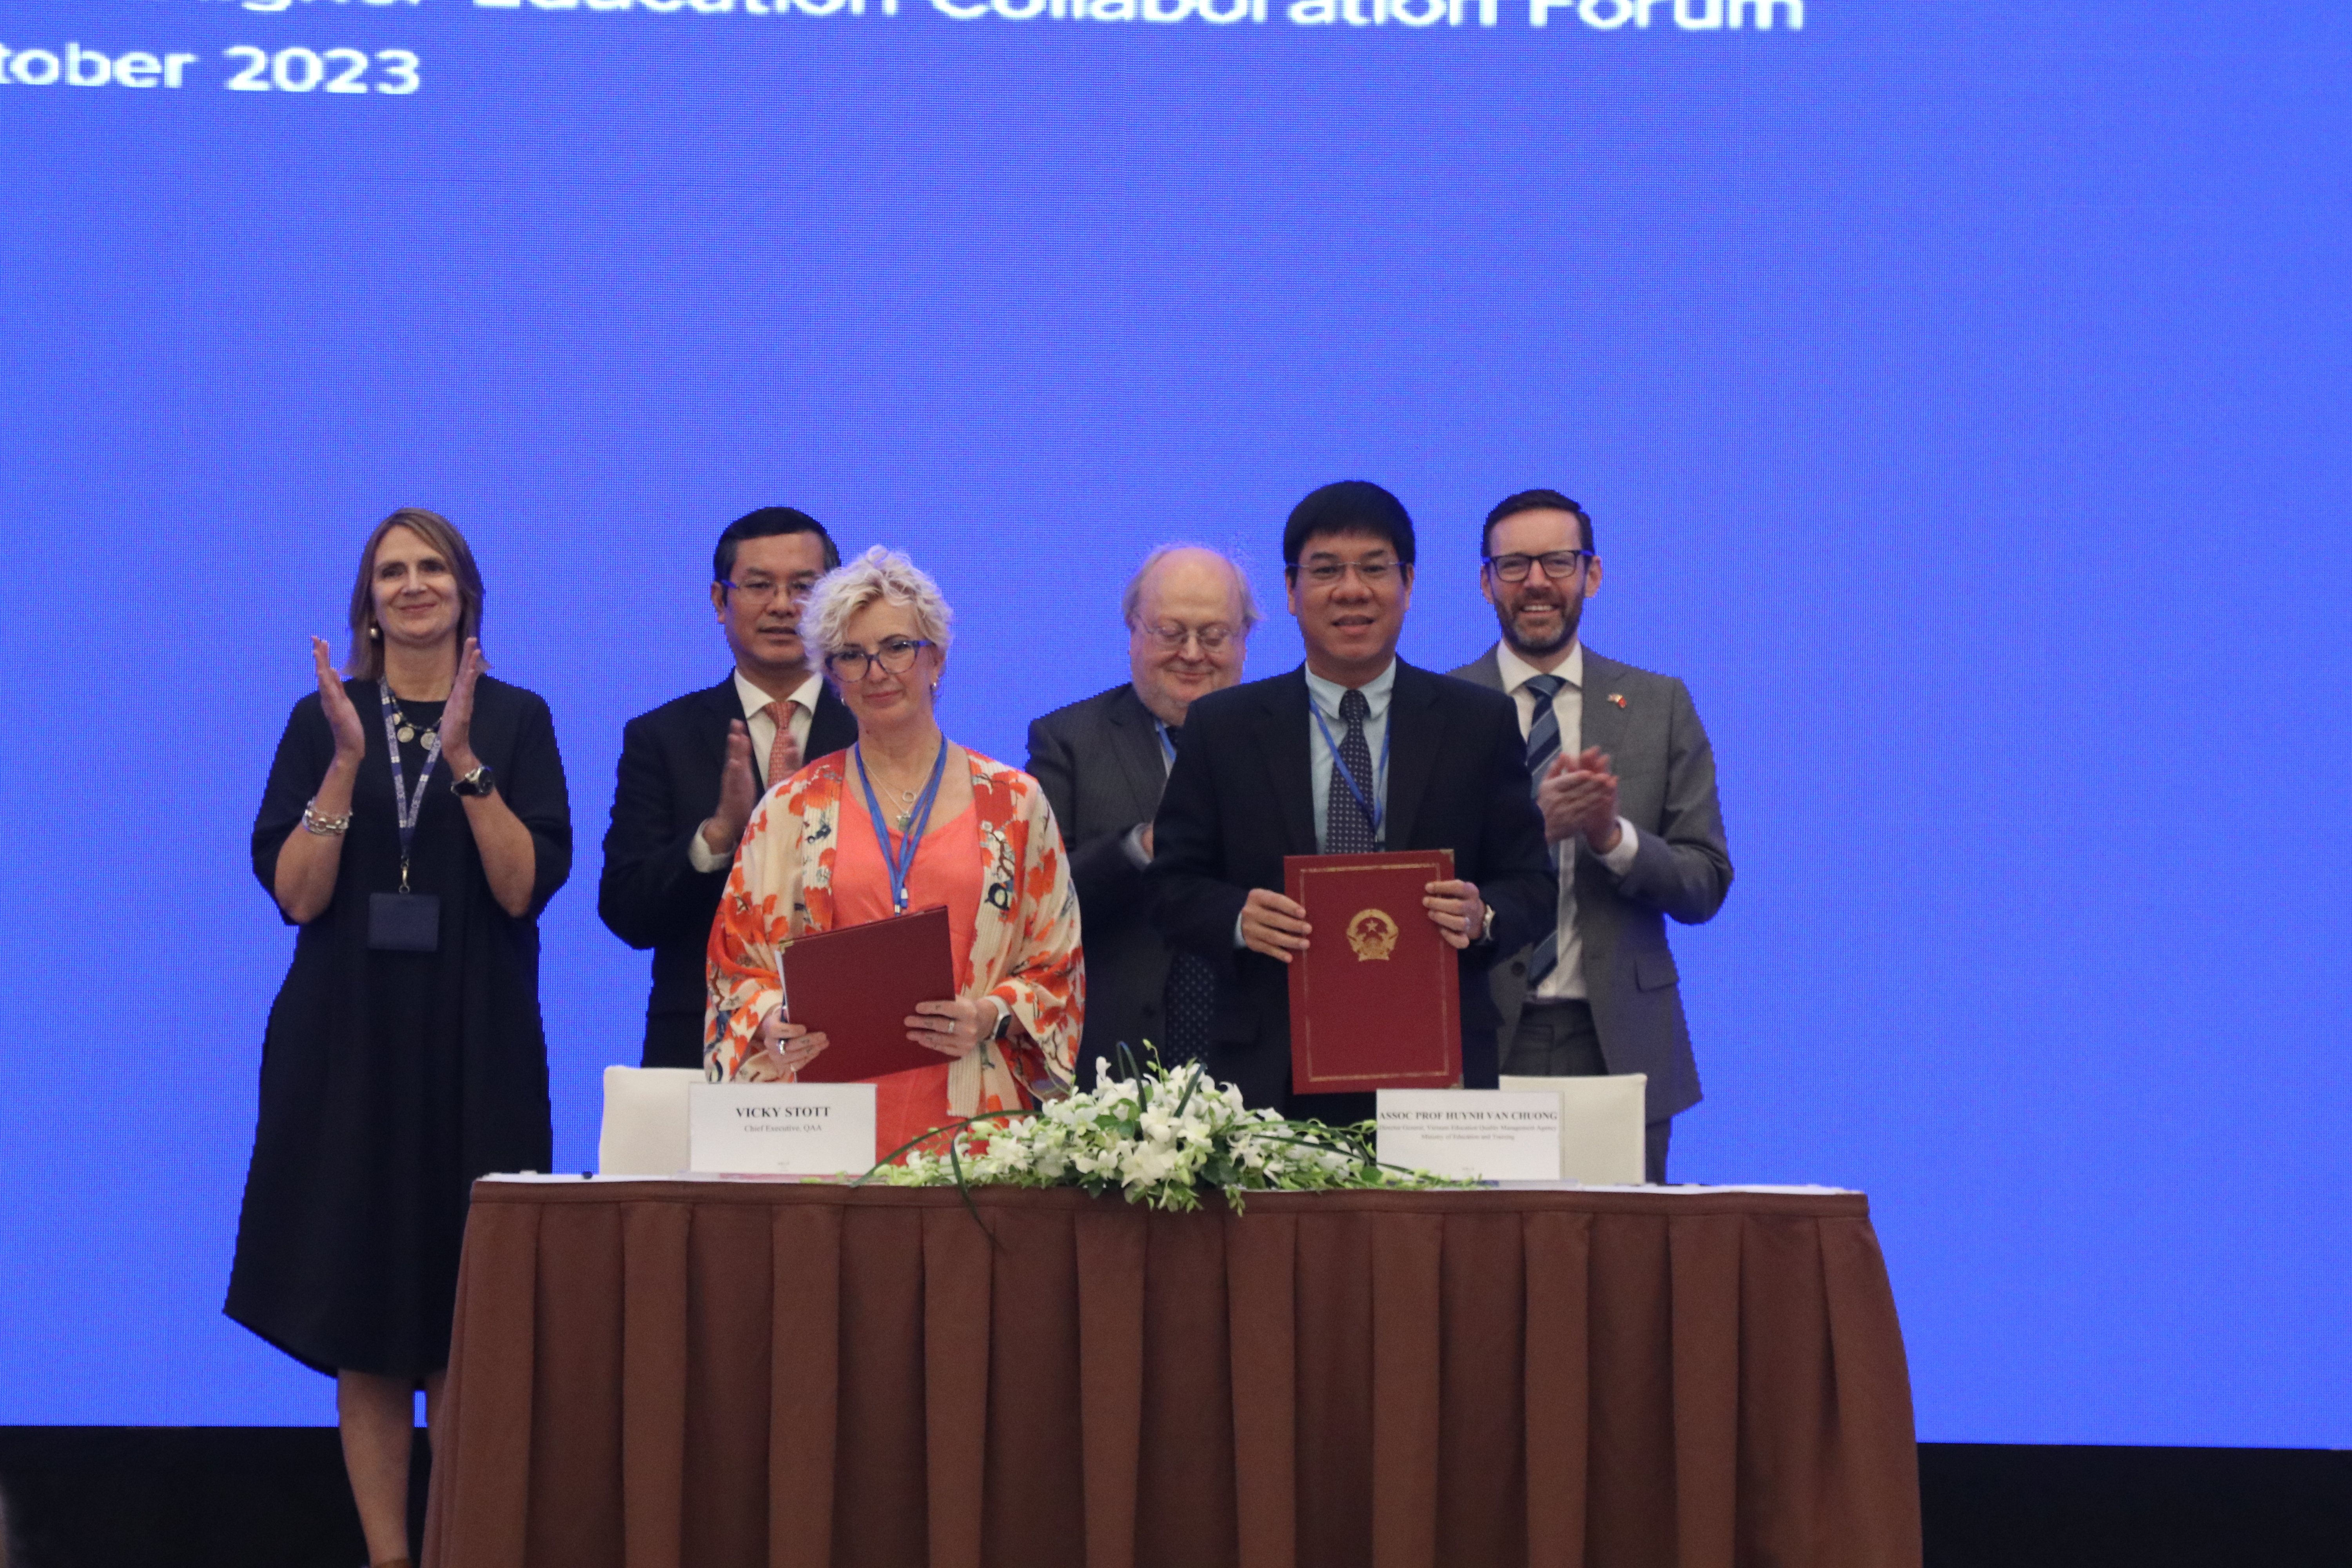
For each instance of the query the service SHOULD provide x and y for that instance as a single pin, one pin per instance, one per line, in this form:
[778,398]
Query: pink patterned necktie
[784,756]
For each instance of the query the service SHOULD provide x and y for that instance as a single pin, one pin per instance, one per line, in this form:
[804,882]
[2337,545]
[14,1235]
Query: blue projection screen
[1959,390]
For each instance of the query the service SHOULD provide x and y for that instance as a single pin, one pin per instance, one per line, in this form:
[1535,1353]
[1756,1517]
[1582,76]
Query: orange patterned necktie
[784,756]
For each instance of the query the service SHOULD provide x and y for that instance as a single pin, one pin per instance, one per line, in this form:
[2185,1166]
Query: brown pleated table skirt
[714,1374]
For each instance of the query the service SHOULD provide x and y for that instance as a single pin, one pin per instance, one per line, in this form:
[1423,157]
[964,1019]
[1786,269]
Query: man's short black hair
[766,523]
[1350,506]
[1531,500]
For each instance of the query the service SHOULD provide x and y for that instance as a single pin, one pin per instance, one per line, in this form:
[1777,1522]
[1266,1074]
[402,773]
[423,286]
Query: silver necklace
[907,797]
[407,732]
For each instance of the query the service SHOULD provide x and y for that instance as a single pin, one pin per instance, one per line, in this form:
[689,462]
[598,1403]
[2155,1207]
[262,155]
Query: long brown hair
[366,660]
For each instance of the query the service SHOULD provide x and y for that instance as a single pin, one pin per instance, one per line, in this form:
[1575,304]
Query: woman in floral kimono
[902,820]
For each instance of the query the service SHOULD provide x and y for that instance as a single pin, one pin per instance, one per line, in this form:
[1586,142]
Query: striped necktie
[784,754]
[1543,746]
[1543,734]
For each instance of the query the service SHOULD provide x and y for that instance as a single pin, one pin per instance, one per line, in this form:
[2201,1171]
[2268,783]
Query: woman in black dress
[405,1056]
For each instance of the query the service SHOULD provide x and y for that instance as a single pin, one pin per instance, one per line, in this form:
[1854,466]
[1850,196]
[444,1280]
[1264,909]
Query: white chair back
[1600,1126]
[645,1121]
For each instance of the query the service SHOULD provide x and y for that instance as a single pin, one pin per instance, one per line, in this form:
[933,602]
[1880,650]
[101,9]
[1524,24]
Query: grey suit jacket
[1101,765]
[1665,788]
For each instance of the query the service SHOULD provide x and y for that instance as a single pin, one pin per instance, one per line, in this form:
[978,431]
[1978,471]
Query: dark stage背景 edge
[275,1497]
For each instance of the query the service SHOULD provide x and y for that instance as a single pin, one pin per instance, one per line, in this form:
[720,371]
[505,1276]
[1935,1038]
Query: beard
[1552,638]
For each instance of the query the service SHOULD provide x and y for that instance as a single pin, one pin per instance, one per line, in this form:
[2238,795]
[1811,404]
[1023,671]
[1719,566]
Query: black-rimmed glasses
[896,656]
[1556,564]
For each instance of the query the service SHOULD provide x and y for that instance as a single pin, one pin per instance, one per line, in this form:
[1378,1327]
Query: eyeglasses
[1172,639]
[1371,574]
[896,656]
[1556,564]
[761,589]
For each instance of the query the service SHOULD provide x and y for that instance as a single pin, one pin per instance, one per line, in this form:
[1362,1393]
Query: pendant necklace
[406,730]
[907,798]
[899,853]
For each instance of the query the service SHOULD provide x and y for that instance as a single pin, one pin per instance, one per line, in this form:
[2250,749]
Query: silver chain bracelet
[325,826]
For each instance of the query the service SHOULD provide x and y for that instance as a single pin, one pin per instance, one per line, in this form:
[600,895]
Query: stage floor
[274,1497]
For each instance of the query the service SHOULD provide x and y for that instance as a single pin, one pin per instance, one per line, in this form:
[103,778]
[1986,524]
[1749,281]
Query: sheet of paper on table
[782,1129]
[1482,1134]
[1600,1128]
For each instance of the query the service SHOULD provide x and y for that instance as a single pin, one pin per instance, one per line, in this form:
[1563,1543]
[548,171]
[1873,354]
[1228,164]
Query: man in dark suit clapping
[693,769]
[1355,751]
[1103,763]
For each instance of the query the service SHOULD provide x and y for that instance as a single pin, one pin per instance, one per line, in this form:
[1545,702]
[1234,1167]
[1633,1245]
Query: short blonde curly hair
[880,575]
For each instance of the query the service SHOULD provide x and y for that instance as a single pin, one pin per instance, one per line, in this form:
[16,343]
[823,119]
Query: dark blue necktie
[1347,825]
[1543,746]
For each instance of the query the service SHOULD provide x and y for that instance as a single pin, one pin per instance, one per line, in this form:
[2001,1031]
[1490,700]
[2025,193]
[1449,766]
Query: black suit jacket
[1100,763]
[651,895]
[1239,801]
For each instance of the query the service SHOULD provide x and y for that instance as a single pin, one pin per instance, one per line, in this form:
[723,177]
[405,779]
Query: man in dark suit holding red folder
[1401,759]
[693,769]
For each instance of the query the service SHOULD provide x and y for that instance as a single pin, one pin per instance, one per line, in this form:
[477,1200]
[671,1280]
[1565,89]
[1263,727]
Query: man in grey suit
[1103,763]
[1625,779]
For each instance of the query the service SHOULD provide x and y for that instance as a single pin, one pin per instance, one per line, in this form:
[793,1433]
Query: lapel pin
[1618,698]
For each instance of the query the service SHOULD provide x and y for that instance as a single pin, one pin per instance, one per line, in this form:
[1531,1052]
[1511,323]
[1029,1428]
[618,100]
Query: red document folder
[859,986]
[1376,1002]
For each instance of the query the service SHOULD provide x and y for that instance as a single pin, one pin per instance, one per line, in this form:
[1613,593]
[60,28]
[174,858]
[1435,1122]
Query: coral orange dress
[809,862]
[946,870]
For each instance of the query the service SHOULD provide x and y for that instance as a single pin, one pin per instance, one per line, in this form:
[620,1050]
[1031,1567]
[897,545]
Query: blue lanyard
[1372,809]
[901,860]
[409,807]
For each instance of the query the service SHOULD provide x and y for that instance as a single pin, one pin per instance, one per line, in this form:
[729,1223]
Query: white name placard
[1483,1134]
[781,1129]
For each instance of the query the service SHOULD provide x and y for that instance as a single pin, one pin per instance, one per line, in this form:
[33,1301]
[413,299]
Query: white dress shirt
[802,709]
[1566,982]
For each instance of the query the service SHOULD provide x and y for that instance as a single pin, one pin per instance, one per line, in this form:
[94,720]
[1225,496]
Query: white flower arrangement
[1160,1136]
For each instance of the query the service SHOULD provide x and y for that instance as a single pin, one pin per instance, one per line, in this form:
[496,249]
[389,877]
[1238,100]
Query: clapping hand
[1579,796]
[351,735]
[457,717]
[739,793]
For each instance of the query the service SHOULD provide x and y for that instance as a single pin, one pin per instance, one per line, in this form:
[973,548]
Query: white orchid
[1162,1136]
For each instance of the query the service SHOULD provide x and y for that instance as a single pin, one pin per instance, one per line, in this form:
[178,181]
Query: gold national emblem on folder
[1373,935]
[1382,1009]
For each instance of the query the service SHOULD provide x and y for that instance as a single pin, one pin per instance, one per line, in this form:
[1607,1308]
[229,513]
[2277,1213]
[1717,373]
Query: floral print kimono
[1024,948]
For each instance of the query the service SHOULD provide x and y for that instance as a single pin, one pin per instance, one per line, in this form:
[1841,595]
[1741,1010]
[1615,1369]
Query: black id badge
[405,923]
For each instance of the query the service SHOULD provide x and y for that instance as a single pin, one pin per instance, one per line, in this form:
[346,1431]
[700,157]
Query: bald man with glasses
[1104,762]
